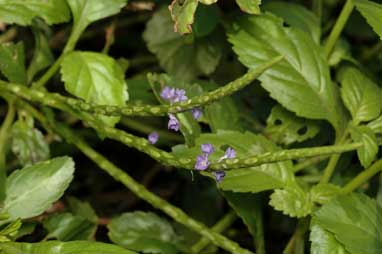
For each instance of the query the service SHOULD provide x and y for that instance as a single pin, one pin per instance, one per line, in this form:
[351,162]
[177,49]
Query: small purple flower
[153,137]
[173,123]
[219,175]
[207,148]
[230,153]
[196,113]
[180,95]
[202,162]
[168,93]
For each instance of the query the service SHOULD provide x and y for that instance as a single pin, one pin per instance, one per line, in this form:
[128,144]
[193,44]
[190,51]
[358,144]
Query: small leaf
[376,125]
[22,12]
[56,247]
[28,143]
[369,150]
[341,51]
[292,201]
[12,62]
[324,242]
[208,2]
[223,115]
[356,222]
[183,57]
[145,232]
[361,96]
[284,127]
[322,193]
[206,20]
[372,12]
[82,209]
[10,231]
[182,13]
[301,82]
[96,78]
[249,6]
[32,190]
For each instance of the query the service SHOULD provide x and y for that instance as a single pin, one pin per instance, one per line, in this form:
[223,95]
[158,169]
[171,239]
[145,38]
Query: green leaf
[322,193]
[254,179]
[223,115]
[356,222]
[12,62]
[82,209]
[96,78]
[208,2]
[205,21]
[341,52]
[361,96]
[10,231]
[376,125]
[145,232]
[22,12]
[28,143]
[284,127]
[32,190]
[372,12]
[249,6]
[324,242]
[369,150]
[301,82]
[294,202]
[68,227]
[56,247]
[140,91]
[183,57]
[297,16]
[182,13]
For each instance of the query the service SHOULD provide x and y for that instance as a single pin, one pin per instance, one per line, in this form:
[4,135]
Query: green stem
[317,9]
[159,203]
[363,177]
[370,52]
[296,244]
[308,162]
[338,27]
[8,35]
[219,227]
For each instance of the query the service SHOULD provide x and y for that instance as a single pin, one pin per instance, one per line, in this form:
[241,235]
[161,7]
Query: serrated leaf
[369,150]
[22,12]
[284,127]
[182,13]
[254,179]
[183,57]
[301,82]
[356,222]
[12,62]
[32,190]
[322,193]
[376,125]
[145,232]
[324,242]
[361,96]
[28,143]
[372,12]
[249,6]
[56,247]
[297,16]
[96,78]
[292,201]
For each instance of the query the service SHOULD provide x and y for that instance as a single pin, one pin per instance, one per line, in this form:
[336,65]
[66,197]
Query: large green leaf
[324,242]
[376,125]
[145,232]
[254,179]
[22,12]
[206,19]
[372,12]
[284,127]
[322,193]
[96,78]
[184,57]
[182,13]
[28,143]
[249,6]
[223,115]
[32,190]
[12,62]
[301,82]
[297,16]
[361,96]
[56,247]
[356,222]
[369,150]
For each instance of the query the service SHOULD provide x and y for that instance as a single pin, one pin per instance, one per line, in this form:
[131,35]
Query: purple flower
[167,93]
[153,137]
[173,123]
[196,113]
[219,175]
[202,162]
[180,95]
[173,94]
[229,154]
[207,148]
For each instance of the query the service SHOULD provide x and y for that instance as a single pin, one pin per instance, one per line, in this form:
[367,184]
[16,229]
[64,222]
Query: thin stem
[296,244]
[317,9]
[370,52]
[9,35]
[363,177]
[139,190]
[219,227]
[338,27]
[308,162]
